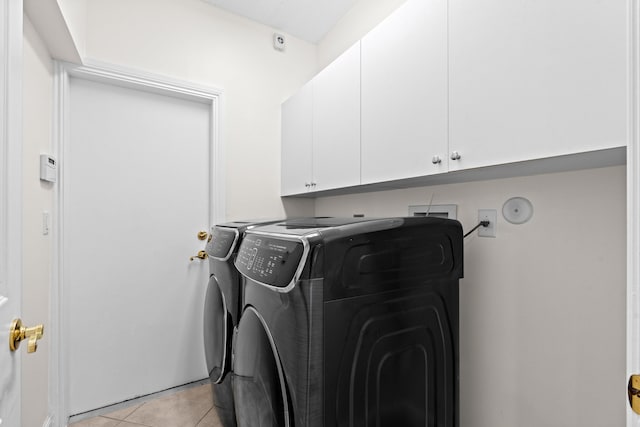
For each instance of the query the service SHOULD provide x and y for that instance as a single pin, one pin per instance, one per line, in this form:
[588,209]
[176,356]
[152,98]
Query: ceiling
[308,20]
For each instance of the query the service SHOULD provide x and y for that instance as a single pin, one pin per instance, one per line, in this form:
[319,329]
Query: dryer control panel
[268,260]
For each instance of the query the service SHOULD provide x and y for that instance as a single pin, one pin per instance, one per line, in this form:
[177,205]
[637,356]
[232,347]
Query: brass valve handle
[18,333]
[202,235]
[201,255]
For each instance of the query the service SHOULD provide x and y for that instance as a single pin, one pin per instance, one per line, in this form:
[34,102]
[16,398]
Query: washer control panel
[222,242]
[268,260]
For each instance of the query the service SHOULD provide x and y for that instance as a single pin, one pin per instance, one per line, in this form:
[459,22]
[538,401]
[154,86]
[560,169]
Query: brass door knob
[633,390]
[201,255]
[17,333]
[202,235]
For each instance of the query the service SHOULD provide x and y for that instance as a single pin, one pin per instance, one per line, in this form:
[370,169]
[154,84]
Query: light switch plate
[490,215]
[45,223]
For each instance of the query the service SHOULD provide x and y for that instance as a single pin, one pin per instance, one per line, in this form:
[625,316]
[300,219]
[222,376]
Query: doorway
[140,176]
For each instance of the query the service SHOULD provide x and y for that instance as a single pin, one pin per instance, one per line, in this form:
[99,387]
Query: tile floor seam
[122,422]
[186,401]
[203,417]
[133,412]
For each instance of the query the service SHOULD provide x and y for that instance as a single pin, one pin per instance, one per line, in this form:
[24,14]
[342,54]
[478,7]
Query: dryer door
[259,388]
[217,332]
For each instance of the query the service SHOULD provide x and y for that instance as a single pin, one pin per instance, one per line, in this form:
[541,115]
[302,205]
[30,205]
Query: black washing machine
[221,312]
[349,322]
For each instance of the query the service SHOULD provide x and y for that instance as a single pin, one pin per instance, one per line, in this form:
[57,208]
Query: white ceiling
[308,20]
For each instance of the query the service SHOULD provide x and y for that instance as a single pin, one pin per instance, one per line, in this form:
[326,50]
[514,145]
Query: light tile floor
[191,407]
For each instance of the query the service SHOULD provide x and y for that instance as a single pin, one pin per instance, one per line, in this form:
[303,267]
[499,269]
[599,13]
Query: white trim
[96,71]
[57,387]
[99,71]
[633,203]
[11,113]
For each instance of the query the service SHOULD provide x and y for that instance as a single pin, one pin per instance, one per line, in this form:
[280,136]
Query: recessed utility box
[440,211]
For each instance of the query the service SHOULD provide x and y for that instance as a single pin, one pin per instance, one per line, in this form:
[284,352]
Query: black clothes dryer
[221,312]
[349,323]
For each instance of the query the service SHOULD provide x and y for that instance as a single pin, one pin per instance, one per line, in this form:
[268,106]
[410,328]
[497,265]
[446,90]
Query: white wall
[361,18]
[60,24]
[75,15]
[192,41]
[38,197]
[542,305]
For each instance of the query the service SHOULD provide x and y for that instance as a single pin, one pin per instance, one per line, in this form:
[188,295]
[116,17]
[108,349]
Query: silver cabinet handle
[436,160]
[455,155]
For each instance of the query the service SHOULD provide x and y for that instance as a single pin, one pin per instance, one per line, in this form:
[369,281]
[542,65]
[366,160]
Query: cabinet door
[404,93]
[297,134]
[336,123]
[534,79]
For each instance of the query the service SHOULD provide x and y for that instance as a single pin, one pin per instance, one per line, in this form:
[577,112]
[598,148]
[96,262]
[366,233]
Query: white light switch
[45,223]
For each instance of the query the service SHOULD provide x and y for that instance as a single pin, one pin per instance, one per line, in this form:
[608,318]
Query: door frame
[135,79]
[11,39]
[633,202]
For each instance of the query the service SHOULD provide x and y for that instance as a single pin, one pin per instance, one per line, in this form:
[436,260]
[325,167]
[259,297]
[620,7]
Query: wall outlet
[490,215]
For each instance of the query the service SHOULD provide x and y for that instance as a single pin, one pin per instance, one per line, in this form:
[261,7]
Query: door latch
[633,390]
[200,255]
[17,333]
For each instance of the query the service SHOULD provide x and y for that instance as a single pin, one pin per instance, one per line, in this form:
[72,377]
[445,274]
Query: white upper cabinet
[297,141]
[535,79]
[448,85]
[404,93]
[336,123]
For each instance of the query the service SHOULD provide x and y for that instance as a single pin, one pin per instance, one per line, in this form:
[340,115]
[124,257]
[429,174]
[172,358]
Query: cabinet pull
[436,160]
[455,155]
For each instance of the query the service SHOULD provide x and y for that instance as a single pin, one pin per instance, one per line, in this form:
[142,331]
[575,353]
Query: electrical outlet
[490,215]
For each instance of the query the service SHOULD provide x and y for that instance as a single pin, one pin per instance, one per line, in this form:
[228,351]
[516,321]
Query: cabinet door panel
[535,79]
[404,93]
[297,134]
[336,123]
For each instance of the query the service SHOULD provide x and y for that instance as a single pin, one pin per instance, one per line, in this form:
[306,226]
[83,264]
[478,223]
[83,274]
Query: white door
[136,168]
[10,205]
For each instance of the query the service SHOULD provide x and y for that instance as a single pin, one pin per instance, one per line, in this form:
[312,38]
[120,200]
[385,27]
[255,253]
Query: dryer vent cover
[517,210]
